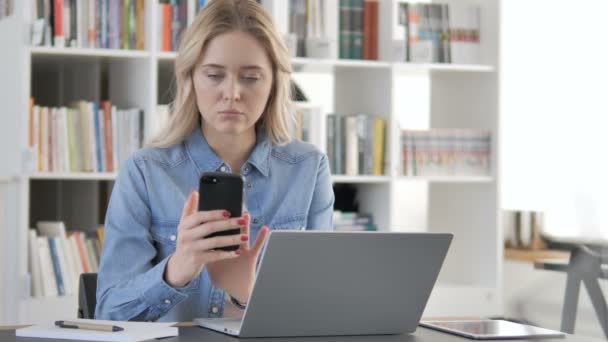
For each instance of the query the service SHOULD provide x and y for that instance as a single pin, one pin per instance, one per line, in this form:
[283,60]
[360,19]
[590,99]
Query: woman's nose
[232,91]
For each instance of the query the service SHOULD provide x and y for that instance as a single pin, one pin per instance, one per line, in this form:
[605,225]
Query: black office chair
[87,295]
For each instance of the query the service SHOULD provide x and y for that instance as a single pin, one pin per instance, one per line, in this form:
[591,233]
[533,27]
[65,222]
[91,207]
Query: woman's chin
[234,129]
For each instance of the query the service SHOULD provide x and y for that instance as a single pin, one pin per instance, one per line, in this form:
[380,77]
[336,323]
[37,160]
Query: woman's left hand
[237,276]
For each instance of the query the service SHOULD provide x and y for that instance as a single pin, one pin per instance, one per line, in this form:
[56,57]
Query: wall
[553,109]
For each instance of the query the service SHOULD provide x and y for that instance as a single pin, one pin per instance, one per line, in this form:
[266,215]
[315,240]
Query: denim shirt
[286,187]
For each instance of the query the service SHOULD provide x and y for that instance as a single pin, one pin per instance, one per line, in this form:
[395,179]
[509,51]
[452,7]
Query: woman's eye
[214,76]
[250,79]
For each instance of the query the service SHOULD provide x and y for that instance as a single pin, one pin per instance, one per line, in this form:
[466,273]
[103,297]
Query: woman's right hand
[193,251]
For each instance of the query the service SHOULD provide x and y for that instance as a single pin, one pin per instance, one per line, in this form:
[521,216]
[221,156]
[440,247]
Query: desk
[192,334]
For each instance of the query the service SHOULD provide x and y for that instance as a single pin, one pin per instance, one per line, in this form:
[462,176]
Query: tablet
[491,329]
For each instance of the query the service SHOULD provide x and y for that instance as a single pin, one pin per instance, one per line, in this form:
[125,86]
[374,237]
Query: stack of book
[108,24]
[440,33]
[56,258]
[85,137]
[441,152]
[349,221]
[355,144]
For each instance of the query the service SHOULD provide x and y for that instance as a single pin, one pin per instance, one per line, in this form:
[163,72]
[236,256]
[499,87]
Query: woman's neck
[231,148]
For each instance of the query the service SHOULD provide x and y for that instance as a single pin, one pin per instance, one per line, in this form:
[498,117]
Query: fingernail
[241,221]
[226,214]
[237,252]
[244,237]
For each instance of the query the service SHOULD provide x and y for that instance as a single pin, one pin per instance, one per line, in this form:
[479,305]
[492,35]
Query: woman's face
[232,83]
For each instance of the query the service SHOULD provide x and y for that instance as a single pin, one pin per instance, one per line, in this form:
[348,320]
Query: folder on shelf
[133,331]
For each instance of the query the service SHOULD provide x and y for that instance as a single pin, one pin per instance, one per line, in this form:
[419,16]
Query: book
[47,272]
[57,231]
[34,265]
[133,331]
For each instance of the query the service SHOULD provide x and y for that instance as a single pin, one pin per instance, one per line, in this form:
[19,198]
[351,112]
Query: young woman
[230,115]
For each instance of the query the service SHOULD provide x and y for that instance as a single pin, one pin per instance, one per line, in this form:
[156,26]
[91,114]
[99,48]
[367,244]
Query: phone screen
[224,191]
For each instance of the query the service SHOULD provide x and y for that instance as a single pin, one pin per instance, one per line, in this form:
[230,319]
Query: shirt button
[214,309]
[249,185]
[223,168]
[255,221]
[173,237]
[167,301]
[246,169]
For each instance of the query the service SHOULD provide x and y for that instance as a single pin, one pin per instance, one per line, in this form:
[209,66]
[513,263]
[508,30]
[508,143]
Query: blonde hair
[219,17]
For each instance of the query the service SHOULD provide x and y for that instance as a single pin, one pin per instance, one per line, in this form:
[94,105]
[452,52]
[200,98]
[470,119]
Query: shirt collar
[206,160]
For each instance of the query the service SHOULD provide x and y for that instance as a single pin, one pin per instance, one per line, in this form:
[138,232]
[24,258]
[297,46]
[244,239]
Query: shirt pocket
[164,234]
[297,222]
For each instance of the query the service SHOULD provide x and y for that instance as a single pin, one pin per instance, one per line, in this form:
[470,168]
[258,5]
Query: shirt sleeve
[130,284]
[320,214]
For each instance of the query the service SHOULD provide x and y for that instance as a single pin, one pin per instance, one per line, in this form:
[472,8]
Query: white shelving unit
[413,96]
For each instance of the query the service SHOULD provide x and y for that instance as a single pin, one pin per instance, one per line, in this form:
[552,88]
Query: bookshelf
[405,95]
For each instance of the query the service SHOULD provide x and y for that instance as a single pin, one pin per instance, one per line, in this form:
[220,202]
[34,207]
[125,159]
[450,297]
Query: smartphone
[219,190]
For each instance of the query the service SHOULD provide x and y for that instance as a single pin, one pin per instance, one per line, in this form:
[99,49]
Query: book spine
[49,283]
[56,266]
[34,265]
[52,153]
[362,123]
[374,30]
[132,28]
[65,264]
[356,32]
[344,40]
[91,137]
[166,27]
[125,24]
[352,146]
[339,147]
[115,136]
[140,17]
[65,140]
[35,135]
[58,22]
[367,26]
[330,142]
[78,262]
[107,118]
[73,24]
[78,236]
[97,137]
[91,25]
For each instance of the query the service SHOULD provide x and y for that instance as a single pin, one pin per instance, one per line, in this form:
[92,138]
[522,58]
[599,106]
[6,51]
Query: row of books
[356,144]
[85,137]
[109,24]
[440,33]
[351,221]
[174,16]
[56,258]
[358,23]
[440,152]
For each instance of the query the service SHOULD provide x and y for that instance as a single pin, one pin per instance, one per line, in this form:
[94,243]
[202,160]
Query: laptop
[314,283]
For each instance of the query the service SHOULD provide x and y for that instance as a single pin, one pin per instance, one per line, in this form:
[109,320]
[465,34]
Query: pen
[88,326]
